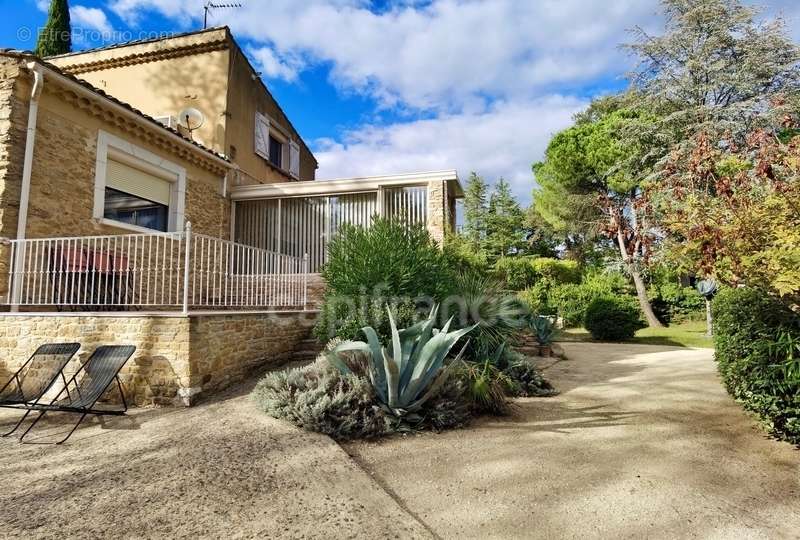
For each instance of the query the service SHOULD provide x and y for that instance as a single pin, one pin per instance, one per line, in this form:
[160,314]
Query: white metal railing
[154,270]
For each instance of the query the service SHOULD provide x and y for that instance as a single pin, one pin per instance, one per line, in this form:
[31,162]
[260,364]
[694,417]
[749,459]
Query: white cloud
[443,55]
[275,66]
[87,18]
[502,141]
[490,73]
[131,11]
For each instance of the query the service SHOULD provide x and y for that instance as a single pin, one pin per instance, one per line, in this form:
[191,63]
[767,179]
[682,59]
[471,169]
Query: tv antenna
[211,6]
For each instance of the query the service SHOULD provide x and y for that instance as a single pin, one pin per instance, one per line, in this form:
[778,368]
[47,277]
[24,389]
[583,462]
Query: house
[155,193]
[209,72]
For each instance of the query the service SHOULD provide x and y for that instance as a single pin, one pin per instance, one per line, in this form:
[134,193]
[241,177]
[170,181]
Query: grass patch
[688,334]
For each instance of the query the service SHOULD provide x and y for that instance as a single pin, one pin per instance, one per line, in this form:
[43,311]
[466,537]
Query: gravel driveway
[218,470]
[643,442]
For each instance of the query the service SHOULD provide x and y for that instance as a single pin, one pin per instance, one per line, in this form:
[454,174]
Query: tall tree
[715,69]
[591,183]
[56,36]
[475,200]
[733,211]
[541,239]
[505,232]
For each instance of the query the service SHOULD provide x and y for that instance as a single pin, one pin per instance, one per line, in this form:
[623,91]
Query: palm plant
[496,315]
[487,384]
[410,370]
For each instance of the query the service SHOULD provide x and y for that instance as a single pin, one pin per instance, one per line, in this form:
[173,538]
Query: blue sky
[407,85]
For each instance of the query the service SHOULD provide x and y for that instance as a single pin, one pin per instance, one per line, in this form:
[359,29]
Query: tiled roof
[136,42]
[92,88]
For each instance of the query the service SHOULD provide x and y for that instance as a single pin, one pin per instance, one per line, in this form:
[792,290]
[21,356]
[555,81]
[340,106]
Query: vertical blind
[305,225]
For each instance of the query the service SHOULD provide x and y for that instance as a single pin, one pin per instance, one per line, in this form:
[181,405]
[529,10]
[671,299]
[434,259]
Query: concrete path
[219,470]
[643,442]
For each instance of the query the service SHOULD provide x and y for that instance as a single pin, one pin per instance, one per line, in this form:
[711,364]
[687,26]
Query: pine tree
[56,36]
[475,210]
[505,223]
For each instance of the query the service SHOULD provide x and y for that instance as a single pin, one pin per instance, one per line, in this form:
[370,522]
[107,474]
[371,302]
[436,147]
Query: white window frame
[111,146]
[277,132]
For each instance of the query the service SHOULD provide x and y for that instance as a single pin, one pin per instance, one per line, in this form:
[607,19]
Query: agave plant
[543,329]
[411,369]
[707,287]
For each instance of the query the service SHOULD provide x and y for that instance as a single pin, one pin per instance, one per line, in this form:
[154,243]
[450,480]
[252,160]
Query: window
[137,189]
[134,210]
[275,152]
[273,144]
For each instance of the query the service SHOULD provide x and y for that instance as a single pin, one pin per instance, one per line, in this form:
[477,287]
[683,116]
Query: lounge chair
[96,375]
[27,386]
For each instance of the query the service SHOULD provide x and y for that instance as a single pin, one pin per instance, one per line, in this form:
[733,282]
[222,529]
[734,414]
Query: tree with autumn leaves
[732,211]
[695,157]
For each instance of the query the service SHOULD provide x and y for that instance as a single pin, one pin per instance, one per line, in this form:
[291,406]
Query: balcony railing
[180,270]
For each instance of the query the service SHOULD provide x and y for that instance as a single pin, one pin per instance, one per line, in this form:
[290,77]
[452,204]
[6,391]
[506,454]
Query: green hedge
[757,360]
[518,273]
[570,300]
[674,304]
[613,318]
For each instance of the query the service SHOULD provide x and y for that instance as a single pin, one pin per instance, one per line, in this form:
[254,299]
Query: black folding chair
[96,375]
[27,386]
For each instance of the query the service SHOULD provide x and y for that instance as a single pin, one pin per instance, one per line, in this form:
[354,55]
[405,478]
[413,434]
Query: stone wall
[316,291]
[64,160]
[226,349]
[439,219]
[13,122]
[63,177]
[177,358]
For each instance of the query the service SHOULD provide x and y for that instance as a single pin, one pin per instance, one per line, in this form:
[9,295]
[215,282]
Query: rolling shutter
[133,181]
[262,136]
[294,159]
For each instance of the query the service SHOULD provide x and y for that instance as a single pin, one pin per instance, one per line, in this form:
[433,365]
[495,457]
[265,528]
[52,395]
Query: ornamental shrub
[570,300]
[527,381]
[396,258]
[319,398]
[368,267]
[757,342]
[479,299]
[613,318]
[516,273]
[556,271]
[537,298]
[673,303]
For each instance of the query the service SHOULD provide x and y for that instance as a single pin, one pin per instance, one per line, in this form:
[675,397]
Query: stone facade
[316,291]
[177,358]
[441,214]
[13,122]
[62,186]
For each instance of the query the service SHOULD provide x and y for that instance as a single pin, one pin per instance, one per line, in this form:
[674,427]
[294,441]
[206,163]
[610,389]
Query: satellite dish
[190,118]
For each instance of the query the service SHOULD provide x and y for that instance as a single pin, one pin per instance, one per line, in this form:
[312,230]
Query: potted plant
[544,331]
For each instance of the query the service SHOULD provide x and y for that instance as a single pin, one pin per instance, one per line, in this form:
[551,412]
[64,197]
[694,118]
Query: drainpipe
[27,168]
[30,139]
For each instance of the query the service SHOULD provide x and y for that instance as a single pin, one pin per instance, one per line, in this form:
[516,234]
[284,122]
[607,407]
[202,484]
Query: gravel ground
[218,470]
[643,442]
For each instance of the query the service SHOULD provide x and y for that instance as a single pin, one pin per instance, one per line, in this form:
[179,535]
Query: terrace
[280,234]
[204,312]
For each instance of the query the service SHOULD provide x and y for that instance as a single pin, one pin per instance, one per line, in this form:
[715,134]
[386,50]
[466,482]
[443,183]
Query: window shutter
[133,181]
[294,159]
[262,136]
